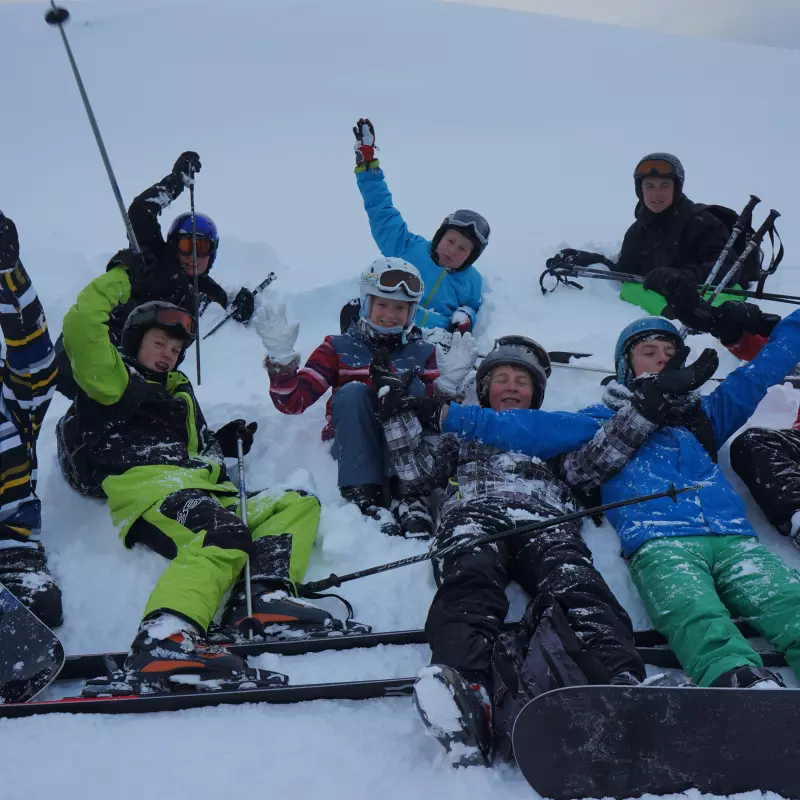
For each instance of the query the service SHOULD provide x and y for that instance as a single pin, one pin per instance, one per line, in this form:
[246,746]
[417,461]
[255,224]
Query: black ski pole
[248,591]
[338,580]
[196,288]
[58,15]
[260,288]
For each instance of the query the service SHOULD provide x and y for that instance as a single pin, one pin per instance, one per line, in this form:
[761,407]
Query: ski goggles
[471,219]
[173,317]
[391,280]
[205,247]
[529,346]
[655,166]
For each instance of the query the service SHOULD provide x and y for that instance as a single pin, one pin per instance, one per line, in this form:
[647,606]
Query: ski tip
[57,15]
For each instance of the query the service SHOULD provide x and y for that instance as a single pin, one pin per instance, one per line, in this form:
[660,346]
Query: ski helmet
[206,231]
[645,328]
[664,165]
[472,225]
[516,351]
[156,314]
[393,279]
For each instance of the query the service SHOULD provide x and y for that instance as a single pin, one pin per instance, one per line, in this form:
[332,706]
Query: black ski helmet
[664,165]
[516,351]
[156,314]
[469,223]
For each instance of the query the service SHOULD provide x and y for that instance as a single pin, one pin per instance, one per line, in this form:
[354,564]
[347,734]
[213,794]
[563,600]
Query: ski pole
[196,287]
[248,593]
[338,580]
[261,286]
[58,15]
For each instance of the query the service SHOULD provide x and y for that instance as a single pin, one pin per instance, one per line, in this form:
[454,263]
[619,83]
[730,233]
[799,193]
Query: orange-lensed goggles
[169,317]
[205,247]
[655,166]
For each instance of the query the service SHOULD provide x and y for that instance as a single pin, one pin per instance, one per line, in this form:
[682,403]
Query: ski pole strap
[774,261]
[317,595]
[559,273]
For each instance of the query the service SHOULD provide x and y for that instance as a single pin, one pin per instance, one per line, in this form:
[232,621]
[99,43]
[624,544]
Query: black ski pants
[768,461]
[470,605]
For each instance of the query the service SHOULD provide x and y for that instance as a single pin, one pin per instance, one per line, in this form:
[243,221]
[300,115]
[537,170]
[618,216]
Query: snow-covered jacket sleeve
[608,452]
[733,402]
[146,207]
[293,391]
[388,227]
[541,434]
[422,463]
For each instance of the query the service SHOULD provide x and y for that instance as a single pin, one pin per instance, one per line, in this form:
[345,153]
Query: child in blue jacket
[453,285]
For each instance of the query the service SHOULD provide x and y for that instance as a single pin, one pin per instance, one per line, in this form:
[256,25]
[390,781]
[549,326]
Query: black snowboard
[30,654]
[615,741]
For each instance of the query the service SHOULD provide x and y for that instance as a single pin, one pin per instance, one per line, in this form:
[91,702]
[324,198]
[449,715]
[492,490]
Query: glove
[654,393]
[678,288]
[428,411]
[456,363]
[364,132]
[734,319]
[9,244]
[229,433]
[276,333]
[143,273]
[461,321]
[578,258]
[186,166]
[243,305]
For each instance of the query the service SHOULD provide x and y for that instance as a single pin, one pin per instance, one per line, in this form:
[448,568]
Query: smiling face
[159,350]
[386,313]
[650,356]
[453,249]
[658,193]
[510,387]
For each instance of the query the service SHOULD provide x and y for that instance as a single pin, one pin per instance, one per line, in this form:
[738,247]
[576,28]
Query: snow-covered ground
[535,121]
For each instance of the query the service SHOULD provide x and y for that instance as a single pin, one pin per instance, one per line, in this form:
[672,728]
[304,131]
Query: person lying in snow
[490,488]
[165,269]
[445,263]
[27,377]
[390,292]
[137,434]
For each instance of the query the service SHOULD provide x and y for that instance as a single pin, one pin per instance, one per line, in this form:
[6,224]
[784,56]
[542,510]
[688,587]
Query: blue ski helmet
[663,165]
[205,228]
[645,328]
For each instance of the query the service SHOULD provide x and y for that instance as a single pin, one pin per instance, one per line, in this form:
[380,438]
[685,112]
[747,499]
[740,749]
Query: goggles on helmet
[655,166]
[469,219]
[205,247]
[391,280]
[527,345]
[169,318]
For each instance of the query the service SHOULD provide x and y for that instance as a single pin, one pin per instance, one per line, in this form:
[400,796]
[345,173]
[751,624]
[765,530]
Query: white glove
[456,363]
[276,333]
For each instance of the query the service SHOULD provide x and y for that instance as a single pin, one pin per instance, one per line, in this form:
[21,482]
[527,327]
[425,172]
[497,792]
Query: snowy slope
[534,121]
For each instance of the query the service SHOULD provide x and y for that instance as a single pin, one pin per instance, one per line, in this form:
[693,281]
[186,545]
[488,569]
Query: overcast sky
[770,22]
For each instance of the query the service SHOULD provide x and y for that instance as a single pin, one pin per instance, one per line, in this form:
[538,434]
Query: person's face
[651,356]
[388,313]
[453,249]
[188,265]
[510,387]
[159,351]
[658,193]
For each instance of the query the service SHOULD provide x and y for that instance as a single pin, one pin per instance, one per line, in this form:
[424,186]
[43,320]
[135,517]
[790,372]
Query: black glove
[679,290]
[578,258]
[734,319]
[243,306]
[427,409]
[186,166]
[227,435]
[390,387]
[9,243]
[653,394]
[142,269]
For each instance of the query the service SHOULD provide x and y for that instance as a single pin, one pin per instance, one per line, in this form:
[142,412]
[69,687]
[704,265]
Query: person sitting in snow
[445,263]
[390,292]
[27,377]
[167,263]
[136,433]
[492,487]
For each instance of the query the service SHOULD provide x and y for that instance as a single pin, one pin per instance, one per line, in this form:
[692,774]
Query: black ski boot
[458,713]
[23,571]
[750,678]
[369,499]
[414,516]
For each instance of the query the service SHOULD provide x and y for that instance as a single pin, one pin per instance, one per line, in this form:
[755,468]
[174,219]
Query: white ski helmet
[393,279]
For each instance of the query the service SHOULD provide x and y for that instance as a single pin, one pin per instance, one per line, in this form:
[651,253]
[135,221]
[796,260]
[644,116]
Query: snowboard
[625,741]
[30,654]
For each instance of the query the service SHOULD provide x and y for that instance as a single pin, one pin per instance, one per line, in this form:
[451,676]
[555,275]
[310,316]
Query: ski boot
[369,499]
[458,713]
[750,678]
[414,516]
[24,572]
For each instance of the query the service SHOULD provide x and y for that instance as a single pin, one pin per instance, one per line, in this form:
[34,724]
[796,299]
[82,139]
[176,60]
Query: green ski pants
[692,585]
[654,303]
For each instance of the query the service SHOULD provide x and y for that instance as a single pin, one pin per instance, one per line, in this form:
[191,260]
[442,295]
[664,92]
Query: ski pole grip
[767,225]
[747,212]
[57,15]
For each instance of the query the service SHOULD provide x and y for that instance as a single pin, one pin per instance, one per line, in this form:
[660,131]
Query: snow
[534,121]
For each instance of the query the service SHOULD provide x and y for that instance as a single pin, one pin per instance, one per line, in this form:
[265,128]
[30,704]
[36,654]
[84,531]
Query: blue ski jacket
[445,292]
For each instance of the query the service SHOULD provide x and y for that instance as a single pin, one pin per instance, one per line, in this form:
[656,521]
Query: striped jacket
[28,381]
[340,360]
